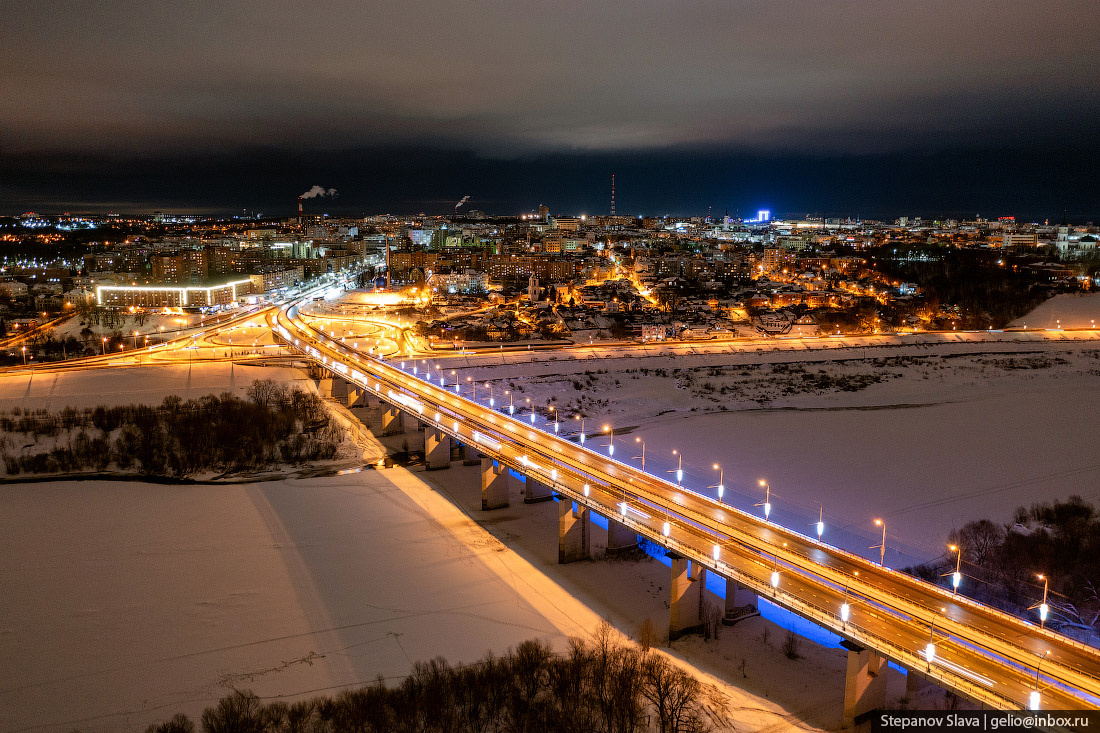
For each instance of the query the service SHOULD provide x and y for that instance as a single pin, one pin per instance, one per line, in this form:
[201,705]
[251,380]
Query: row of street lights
[766,504]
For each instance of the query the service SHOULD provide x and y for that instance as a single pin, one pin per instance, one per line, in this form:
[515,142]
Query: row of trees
[598,685]
[179,438]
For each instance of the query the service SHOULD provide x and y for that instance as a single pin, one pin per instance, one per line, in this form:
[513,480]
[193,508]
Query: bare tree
[792,646]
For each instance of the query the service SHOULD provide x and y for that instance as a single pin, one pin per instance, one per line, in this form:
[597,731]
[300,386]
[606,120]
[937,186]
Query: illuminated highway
[982,653]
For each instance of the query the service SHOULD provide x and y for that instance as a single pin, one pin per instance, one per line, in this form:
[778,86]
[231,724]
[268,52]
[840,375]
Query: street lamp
[775,572]
[721,481]
[930,649]
[767,503]
[1044,609]
[24,355]
[511,405]
[492,402]
[639,440]
[1033,698]
[845,609]
[679,467]
[882,546]
[610,440]
[556,424]
[820,520]
[956,577]
[578,417]
[105,346]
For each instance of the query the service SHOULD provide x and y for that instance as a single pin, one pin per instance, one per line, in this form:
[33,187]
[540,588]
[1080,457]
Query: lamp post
[24,348]
[578,417]
[1044,609]
[820,527]
[882,546]
[611,440]
[721,486]
[845,609]
[1033,698]
[956,577]
[767,503]
[930,649]
[679,467]
[492,402]
[639,440]
[105,346]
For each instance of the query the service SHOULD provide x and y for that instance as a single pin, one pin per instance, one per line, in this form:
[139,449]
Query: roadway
[985,654]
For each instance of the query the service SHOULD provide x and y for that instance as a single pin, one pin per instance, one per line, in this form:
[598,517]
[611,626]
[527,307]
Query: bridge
[989,656]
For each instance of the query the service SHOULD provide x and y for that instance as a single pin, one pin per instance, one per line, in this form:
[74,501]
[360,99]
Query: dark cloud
[144,82]
[503,77]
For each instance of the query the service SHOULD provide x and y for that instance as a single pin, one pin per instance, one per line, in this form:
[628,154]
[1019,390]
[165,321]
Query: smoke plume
[317,191]
[459,204]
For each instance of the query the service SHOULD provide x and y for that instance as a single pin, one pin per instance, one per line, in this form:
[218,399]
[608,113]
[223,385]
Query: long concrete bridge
[981,653]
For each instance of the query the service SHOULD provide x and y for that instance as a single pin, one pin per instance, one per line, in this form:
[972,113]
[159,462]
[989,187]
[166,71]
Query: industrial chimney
[299,211]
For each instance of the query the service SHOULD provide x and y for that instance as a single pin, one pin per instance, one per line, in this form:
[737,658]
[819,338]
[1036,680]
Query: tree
[179,723]
[241,712]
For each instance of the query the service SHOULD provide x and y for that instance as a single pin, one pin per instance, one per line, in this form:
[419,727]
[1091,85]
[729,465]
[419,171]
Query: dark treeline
[986,294]
[598,685]
[177,438]
[1000,562]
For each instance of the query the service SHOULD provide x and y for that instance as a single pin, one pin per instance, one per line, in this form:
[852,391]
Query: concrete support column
[536,491]
[495,484]
[740,603]
[864,684]
[620,538]
[437,449]
[573,531]
[685,601]
[339,389]
[392,423]
[324,384]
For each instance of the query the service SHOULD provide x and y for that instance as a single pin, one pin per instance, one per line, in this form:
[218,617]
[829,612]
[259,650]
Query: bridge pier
[741,603]
[574,534]
[864,683]
[686,597]
[324,384]
[620,538]
[345,392]
[496,481]
[392,420]
[437,449]
[535,491]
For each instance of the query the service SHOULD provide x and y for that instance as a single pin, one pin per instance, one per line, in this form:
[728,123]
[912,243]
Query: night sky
[873,108]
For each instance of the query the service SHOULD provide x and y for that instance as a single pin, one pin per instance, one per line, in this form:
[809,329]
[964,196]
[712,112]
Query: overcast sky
[510,81]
